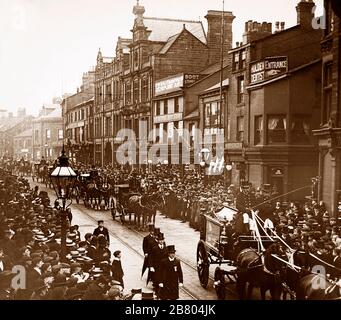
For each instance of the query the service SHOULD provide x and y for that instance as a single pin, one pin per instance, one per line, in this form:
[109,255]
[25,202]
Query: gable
[181,41]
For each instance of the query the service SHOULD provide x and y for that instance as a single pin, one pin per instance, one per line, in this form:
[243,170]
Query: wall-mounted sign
[168,84]
[268,68]
[176,82]
[192,78]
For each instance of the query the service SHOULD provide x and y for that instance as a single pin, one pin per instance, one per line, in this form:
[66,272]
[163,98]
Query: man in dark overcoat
[102,230]
[116,268]
[172,277]
[158,254]
[147,247]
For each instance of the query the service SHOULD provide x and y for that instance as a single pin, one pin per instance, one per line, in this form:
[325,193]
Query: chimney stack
[255,31]
[214,19]
[305,13]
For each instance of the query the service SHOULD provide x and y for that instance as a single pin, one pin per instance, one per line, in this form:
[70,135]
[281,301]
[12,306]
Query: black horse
[260,270]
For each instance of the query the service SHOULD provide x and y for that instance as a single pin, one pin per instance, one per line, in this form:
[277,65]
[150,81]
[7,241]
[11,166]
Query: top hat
[171,249]
[151,227]
[147,295]
[245,184]
[160,236]
[156,231]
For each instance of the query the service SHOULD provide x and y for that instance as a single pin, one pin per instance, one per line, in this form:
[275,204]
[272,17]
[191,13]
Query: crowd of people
[31,264]
[303,226]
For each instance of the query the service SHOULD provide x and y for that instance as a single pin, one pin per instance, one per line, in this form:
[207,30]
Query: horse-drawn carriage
[221,245]
[259,258]
[41,173]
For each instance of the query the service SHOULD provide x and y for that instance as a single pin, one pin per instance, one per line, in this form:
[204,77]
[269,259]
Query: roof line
[176,20]
[304,65]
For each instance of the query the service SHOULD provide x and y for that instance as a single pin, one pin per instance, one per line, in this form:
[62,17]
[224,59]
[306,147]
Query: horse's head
[275,259]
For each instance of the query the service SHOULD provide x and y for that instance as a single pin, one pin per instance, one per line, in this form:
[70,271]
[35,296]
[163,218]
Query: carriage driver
[244,201]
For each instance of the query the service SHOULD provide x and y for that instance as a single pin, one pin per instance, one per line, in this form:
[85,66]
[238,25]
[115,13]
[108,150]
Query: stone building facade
[159,48]
[329,131]
[270,120]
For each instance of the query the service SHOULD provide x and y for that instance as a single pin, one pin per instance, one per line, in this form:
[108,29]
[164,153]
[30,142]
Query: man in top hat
[102,230]
[245,198]
[158,253]
[147,246]
[172,277]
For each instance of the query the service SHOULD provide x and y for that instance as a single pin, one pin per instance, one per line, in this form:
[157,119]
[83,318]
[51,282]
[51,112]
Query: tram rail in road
[187,267]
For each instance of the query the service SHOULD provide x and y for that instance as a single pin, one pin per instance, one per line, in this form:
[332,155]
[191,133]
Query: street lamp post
[62,179]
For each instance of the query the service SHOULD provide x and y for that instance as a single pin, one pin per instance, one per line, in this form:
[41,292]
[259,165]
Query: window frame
[282,117]
[48,134]
[258,130]
[240,129]
[240,89]
[327,88]
[301,139]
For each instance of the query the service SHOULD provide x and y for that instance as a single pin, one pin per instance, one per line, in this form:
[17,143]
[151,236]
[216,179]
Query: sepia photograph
[177,151]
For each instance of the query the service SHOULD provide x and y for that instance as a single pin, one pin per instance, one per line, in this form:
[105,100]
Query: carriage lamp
[63,178]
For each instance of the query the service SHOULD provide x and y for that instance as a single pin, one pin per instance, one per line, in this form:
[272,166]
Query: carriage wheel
[203,264]
[219,283]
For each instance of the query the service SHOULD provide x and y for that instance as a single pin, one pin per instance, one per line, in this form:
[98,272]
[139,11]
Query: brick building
[329,131]
[22,145]
[271,121]
[76,110]
[10,126]
[48,133]
[159,48]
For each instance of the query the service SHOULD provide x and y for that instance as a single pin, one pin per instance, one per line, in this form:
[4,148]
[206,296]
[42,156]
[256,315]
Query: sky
[46,45]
